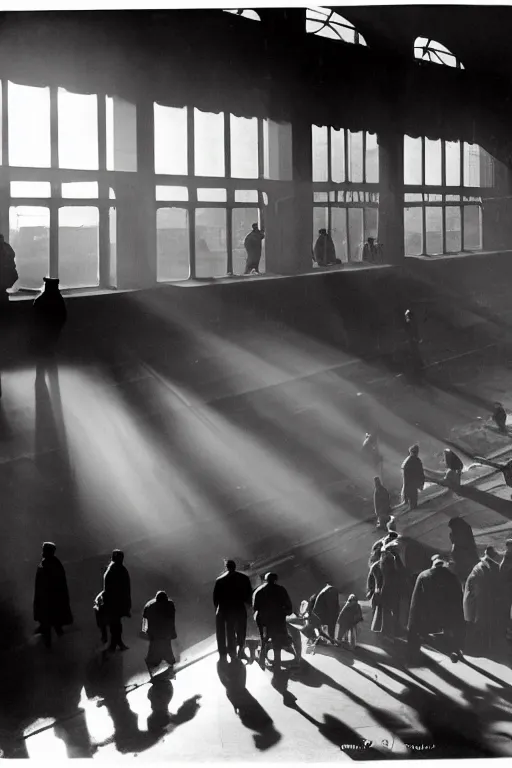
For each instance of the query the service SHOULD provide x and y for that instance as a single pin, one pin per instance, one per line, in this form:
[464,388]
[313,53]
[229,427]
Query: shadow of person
[160,694]
[233,677]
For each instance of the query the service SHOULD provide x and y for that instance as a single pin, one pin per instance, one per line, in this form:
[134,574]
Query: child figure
[350,616]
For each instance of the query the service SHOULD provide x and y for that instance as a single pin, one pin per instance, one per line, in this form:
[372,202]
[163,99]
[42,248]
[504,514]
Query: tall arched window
[245,12]
[430,50]
[327,23]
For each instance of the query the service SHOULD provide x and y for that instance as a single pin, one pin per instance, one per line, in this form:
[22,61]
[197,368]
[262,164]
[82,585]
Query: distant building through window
[245,12]
[327,23]
[430,50]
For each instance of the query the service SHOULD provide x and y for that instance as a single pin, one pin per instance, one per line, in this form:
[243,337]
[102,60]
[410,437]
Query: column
[135,199]
[391,197]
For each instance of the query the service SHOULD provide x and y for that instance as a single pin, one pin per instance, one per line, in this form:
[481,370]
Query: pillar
[497,211]
[391,197]
[135,199]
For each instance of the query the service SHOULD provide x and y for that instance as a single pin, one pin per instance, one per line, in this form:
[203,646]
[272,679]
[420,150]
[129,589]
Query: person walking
[413,477]
[159,623]
[384,589]
[381,505]
[349,618]
[436,607]
[464,554]
[271,604]
[483,596]
[117,598]
[499,416]
[231,593]
[51,597]
[326,608]
[454,468]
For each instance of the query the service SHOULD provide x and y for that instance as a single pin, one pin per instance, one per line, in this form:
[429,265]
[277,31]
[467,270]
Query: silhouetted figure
[371,454]
[381,504]
[349,618]
[8,271]
[482,602]
[117,598]
[252,245]
[159,618]
[506,468]
[464,553]
[413,477]
[436,607]
[371,252]
[49,317]
[384,590]
[506,587]
[51,596]
[324,251]
[232,592]
[499,416]
[326,608]
[272,604]
[454,467]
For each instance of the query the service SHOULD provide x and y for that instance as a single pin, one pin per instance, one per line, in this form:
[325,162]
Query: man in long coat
[381,504]
[436,606]
[252,245]
[231,593]
[271,603]
[51,596]
[326,607]
[384,589]
[464,553]
[413,477]
[483,598]
[117,598]
[159,616]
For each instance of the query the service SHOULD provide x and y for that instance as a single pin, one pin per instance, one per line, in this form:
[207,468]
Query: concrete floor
[241,446]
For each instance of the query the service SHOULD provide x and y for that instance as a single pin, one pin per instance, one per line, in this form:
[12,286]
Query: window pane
[210,195]
[453,232]
[78,247]
[433,162]
[453,164]
[121,146]
[277,151]
[211,250]
[412,161]
[29,235]
[371,223]
[337,155]
[339,232]
[246,195]
[471,165]
[434,222]
[356,235]
[320,221]
[372,159]
[80,189]
[472,228]
[171,193]
[209,143]
[355,155]
[243,219]
[112,222]
[320,165]
[29,126]
[78,130]
[172,239]
[31,189]
[320,197]
[244,147]
[413,231]
[171,140]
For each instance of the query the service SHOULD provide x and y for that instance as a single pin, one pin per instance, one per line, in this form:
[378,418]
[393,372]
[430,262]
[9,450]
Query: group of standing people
[464,601]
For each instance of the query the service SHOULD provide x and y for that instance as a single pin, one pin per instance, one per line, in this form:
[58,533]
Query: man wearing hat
[436,607]
[271,603]
[413,477]
[51,596]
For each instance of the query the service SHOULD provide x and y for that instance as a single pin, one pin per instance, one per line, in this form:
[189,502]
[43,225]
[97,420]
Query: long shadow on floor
[252,715]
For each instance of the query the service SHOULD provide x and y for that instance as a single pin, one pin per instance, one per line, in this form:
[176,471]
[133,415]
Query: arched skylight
[245,12]
[431,50]
[327,23]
